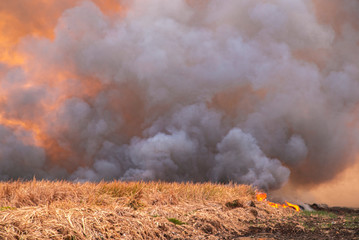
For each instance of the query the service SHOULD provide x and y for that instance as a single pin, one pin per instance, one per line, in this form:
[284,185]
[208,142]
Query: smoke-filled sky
[258,92]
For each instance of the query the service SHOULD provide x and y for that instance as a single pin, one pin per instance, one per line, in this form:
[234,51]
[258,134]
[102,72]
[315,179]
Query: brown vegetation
[139,210]
[113,210]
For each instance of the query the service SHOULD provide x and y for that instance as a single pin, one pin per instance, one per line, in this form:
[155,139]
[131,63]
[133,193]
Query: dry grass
[126,210]
[106,194]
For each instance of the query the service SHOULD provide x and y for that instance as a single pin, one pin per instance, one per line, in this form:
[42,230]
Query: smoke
[255,92]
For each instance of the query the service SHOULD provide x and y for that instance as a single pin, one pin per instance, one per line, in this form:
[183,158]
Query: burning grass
[140,210]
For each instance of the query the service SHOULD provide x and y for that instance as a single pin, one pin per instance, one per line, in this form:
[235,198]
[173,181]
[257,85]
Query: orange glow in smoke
[262,197]
[40,139]
[13,123]
[14,24]
[14,27]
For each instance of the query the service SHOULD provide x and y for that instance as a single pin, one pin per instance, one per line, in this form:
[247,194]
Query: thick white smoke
[185,91]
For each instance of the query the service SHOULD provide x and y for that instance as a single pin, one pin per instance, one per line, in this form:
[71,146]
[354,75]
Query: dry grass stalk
[124,210]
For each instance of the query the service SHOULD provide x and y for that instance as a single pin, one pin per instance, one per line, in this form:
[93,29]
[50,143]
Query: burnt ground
[322,223]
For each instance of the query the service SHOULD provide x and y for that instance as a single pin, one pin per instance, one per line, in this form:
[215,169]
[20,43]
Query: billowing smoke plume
[255,92]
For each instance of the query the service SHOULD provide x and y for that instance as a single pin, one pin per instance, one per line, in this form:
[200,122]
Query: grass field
[139,210]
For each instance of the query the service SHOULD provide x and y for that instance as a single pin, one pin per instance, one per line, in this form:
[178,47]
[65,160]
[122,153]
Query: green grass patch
[352,221]
[176,221]
[326,225]
[319,214]
[6,208]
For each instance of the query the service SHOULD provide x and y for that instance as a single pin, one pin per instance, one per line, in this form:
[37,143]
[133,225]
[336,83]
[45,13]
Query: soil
[322,223]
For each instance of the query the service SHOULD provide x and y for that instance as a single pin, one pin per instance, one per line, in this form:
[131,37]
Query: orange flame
[262,197]
[296,207]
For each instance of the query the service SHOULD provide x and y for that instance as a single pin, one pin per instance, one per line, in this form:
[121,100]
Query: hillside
[156,210]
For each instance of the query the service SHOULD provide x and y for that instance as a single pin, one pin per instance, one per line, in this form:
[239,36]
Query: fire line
[262,197]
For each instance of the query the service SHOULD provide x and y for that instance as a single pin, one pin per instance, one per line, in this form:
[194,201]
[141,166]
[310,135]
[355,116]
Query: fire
[296,207]
[262,197]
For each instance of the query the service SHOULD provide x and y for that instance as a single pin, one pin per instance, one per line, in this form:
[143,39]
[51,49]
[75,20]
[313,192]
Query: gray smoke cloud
[255,92]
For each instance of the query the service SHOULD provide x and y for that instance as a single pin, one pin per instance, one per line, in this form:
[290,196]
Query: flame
[262,197]
[296,207]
